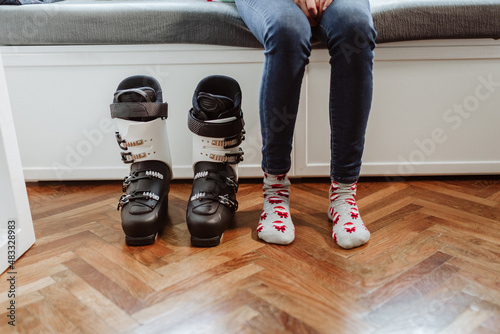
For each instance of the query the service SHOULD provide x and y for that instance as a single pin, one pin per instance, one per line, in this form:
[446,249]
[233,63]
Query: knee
[288,34]
[354,26]
[360,31]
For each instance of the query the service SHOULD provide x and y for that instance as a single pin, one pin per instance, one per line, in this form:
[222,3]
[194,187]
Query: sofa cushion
[124,22]
[202,22]
[399,20]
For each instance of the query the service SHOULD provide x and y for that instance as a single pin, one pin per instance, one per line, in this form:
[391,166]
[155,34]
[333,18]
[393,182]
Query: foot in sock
[276,224]
[348,228]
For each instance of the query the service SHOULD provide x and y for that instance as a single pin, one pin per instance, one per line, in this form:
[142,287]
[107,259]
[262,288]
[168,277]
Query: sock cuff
[336,187]
[270,178]
[276,181]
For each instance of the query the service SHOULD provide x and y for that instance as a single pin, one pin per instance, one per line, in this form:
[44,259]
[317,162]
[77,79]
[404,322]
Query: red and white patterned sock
[348,228]
[276,224]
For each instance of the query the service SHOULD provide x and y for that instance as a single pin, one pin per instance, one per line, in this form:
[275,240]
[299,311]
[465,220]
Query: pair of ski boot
[216,121]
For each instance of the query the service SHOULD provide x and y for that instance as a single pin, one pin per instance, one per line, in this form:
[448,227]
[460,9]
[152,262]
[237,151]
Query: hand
[310,9]
[322,5]
[313,9]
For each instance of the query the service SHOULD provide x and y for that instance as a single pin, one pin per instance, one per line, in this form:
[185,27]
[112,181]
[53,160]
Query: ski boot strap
[139,175]
[221,178]
[138,195]
[220,150]
[222,199]
[214,128]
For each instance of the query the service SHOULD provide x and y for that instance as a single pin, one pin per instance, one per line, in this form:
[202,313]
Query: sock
[348,228]
[275,224]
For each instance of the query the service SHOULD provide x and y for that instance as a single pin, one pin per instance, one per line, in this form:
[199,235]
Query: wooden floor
[432,265]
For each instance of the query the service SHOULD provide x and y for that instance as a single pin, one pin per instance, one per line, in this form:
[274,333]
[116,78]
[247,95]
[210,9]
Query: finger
[326,3]
[320,8]
[312,8]
[303,6]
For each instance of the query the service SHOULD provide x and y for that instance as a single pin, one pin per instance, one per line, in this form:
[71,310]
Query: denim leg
[347,29]
[285,33]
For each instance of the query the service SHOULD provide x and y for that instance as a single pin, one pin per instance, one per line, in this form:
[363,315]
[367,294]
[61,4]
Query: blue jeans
[346,27]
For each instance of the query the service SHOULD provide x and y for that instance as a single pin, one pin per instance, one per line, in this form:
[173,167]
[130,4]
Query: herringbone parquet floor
[431,266]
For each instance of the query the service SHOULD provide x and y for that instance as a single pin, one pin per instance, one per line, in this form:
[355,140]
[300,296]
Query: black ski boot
[140,116]
[216,121]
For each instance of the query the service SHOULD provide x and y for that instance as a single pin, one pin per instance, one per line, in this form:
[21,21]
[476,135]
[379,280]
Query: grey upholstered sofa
[201,22]
[64,59]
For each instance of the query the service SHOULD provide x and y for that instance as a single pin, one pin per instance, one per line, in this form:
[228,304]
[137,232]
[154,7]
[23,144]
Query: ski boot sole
[141,241]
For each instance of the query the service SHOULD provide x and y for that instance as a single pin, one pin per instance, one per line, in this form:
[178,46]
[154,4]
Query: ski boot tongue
[214,105]
[142,94]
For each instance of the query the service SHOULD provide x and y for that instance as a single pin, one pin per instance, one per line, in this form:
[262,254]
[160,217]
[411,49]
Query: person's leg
[347,28]
[285,33]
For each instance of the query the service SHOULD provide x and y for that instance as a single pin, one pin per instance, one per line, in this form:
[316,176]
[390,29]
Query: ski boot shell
[140,116]
[216,121]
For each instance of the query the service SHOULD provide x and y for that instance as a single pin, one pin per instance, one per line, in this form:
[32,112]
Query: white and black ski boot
[216,121]
[140,116]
